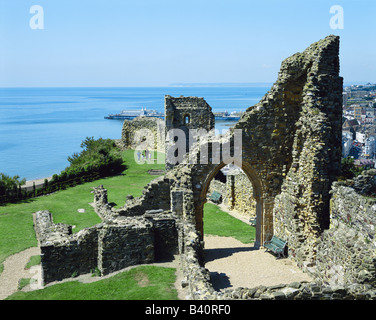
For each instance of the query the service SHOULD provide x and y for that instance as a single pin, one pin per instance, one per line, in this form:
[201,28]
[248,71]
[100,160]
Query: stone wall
[125,242]
[301,210]
[144,133]
[346,252]
[198,285]
[239,194]
[155,196]
[114,244]
[185,114]
[64,254]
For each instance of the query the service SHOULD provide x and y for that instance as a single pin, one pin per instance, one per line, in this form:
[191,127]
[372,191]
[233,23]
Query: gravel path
[14,270]
[230,262]
[234,264]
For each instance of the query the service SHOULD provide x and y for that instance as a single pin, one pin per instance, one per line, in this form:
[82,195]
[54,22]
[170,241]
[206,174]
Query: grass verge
[220,223]
[139,283]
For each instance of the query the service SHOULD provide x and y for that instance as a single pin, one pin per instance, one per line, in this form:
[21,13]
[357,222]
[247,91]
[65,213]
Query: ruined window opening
[187,119]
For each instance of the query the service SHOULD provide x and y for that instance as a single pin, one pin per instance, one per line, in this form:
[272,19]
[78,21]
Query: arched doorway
[257,194]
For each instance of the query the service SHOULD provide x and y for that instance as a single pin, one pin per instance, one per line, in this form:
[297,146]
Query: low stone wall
[114,244]
[124,243]
[64,254]
[156,195]
[197,281]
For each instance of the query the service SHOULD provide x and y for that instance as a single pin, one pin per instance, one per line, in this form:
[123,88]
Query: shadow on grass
[28,200]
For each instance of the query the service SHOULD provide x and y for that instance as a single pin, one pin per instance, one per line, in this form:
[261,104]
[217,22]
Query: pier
[130,115]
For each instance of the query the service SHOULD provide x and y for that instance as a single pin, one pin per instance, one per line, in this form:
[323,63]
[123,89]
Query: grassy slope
[16,223]
[217,222]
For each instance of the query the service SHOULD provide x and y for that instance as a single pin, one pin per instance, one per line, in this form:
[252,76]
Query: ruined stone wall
[301,211]
[124,243]
[144,133]
[64,254]
[198,285]
[185,114]
[155,196]
[291,150]
[346,253]
[114,244]
[239,195]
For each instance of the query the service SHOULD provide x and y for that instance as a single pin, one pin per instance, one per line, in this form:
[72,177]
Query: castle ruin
[291,153]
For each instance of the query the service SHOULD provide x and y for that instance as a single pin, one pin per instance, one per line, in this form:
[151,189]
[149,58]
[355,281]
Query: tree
[8,184]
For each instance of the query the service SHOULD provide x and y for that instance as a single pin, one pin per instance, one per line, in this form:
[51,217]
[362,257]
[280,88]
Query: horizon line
[178,84]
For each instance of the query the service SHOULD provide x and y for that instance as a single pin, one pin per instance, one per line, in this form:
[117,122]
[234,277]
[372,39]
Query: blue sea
[41,127]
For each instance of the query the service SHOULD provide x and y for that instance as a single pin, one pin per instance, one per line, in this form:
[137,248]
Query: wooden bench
[276,245]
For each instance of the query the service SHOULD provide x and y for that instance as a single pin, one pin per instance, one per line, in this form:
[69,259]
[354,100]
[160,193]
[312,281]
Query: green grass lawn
[140,283]
[16,223]
[219,223]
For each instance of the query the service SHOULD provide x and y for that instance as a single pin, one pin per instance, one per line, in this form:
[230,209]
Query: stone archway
[257,193]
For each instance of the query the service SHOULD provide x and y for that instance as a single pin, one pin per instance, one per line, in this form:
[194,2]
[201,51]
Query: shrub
[99,158]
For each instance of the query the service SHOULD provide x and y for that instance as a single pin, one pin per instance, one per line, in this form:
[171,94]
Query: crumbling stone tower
[186,113]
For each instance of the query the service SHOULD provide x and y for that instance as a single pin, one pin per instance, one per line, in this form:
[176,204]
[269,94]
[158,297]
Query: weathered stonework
[237,193]
[291,154]
[123,243]
[144,133]
[186,114]
[346,252]
[64,254]
[114,244]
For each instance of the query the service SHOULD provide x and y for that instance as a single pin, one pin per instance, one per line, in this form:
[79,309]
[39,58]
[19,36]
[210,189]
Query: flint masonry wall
[291,150]
[186,114]
[64,254]
[237,193]
[144,133]
[114,244]
[346,252]
[301,210]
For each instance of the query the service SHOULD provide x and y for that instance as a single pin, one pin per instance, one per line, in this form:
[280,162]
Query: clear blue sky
[159,42]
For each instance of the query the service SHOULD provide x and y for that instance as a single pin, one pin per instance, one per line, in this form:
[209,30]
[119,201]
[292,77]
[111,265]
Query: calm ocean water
[41,127]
